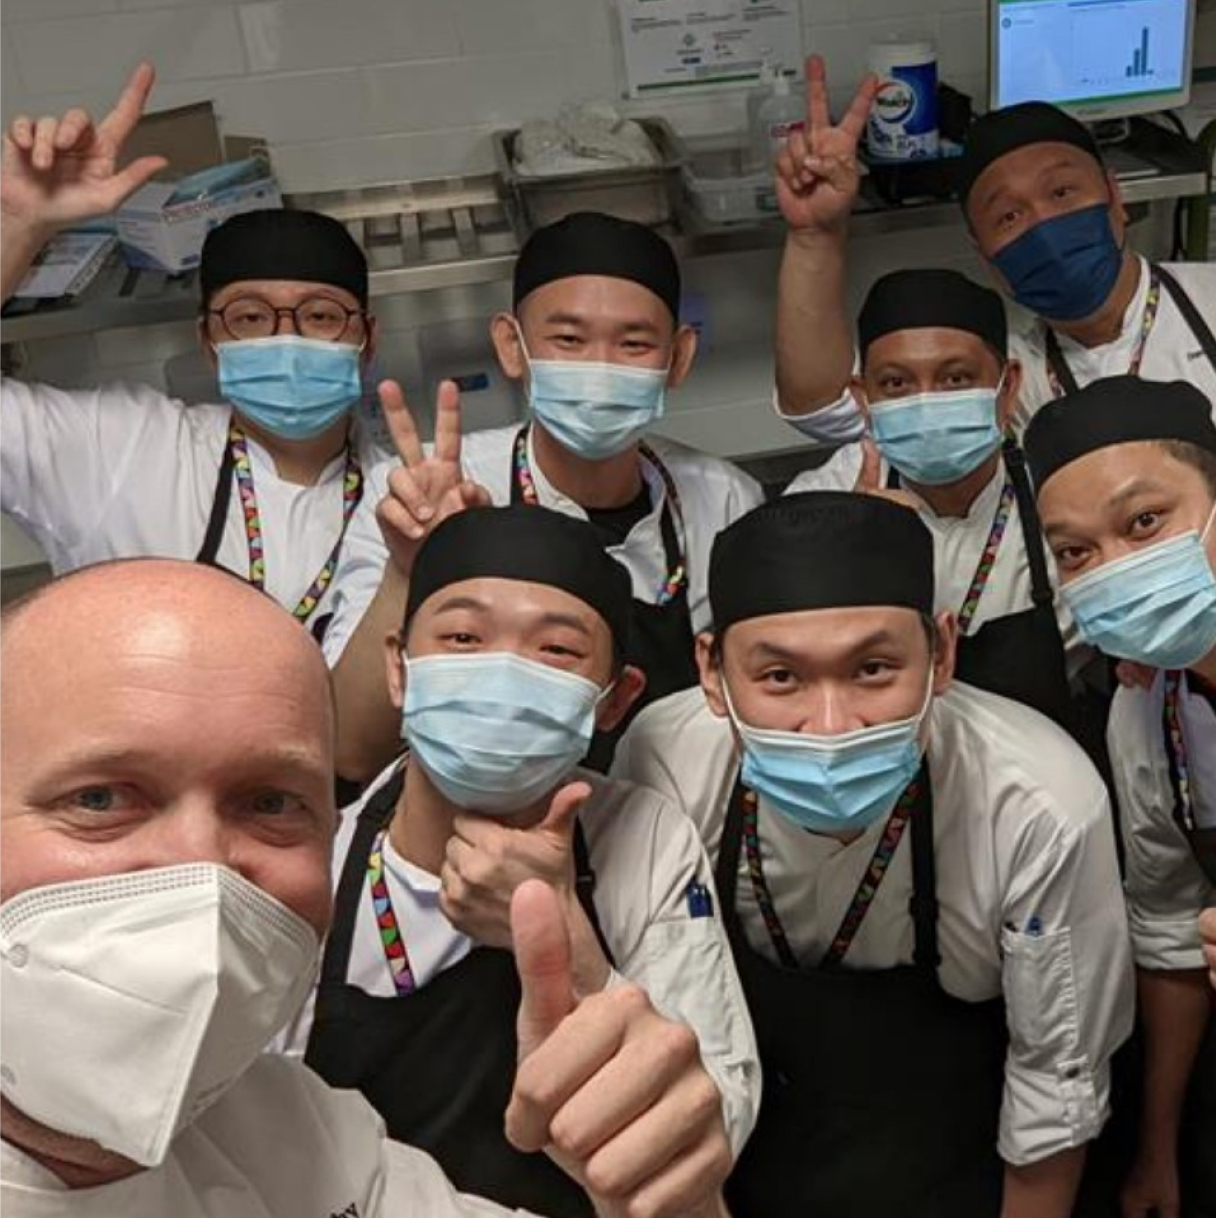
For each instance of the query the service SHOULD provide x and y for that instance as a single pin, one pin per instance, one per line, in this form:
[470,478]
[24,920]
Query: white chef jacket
[712,494]
[645,856]
[958,543]
[1172,353]
[123,471]
[1165,887]
[278,1144]
[1027,882]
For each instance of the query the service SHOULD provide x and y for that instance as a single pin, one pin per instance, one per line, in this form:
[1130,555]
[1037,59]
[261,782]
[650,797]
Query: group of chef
[849,853]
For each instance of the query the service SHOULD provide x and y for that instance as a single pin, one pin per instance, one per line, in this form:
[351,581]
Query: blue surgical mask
[1156,606]
[1064,268]
[595,410]
[935,438]
[292,387]
[496,732]
[833,784]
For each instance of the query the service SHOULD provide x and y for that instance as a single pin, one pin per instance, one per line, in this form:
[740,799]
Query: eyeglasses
[318,317]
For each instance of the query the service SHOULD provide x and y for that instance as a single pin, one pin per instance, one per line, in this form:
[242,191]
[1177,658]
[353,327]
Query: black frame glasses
[302,327]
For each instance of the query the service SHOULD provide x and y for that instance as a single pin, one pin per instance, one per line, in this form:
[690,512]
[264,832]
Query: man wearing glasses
[264,483]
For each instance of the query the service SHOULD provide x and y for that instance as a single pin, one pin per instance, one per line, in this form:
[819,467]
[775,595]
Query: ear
[1007,403]
[626,690]
[204,341]
[372,329]
[394,669]
[504,333]
[683,352]
[947,645]
[1118,208]
[857,387]
[711,675]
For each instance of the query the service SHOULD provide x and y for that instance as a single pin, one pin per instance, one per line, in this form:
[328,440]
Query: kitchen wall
[359,90]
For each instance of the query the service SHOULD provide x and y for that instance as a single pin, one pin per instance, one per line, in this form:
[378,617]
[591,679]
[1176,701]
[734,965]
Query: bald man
[166,819]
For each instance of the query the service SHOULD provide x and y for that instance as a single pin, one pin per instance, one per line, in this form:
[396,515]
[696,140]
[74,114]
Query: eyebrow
[570,620]
[877,638]
[633,326]
[1116,502]
[105,758]
[1062,162]
[470,603]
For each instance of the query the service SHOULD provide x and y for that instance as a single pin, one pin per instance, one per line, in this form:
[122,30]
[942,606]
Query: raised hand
[614,1092]
[870,481]
[817,171]
[426,487]
[57,171]
[486,861]
[1207,932]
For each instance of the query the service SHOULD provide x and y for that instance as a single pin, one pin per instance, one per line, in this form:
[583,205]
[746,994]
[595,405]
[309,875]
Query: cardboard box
[163,225]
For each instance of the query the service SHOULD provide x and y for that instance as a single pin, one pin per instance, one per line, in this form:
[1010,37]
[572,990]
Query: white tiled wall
[359,90]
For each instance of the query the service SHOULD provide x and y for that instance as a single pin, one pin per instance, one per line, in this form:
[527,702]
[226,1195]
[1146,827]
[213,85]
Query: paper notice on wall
[683,44]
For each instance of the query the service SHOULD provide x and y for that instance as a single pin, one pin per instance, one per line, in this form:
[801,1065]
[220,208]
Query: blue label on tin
[903,123]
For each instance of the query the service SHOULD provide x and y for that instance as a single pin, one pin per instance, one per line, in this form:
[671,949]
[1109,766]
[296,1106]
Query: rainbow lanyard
[677,579]
[863,898]
[1146,328]
[979,581]
[395,955]
[352,492]
[1171,713]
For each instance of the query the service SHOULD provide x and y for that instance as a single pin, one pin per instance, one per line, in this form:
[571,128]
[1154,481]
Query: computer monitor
[1098,59]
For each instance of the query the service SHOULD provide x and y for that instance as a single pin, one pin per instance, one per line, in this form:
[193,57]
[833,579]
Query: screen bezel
[1114,107]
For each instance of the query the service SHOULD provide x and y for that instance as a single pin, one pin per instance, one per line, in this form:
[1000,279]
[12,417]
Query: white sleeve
[839,423]
[414,1185]
[63,453]
[683,961]
[360,565]
[1165,888]
[838,473]
[1068,985]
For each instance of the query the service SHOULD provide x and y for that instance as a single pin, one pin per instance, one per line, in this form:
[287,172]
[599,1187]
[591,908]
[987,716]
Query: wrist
[28,232]
[820,238]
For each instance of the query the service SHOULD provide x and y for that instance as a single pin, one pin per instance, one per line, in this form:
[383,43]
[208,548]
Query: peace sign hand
[55,172]
[817,173]
[425,488]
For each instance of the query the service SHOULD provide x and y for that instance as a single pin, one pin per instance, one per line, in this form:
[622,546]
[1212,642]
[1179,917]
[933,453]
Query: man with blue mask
[264,482]
[1048,218]
[510,656]
[938,395]
[595,340]
[1126,478]
[918,878]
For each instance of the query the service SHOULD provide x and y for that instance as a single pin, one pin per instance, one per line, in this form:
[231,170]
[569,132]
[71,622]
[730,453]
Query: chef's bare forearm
[1046,1189]
[369,726]
[20,241]
[1175,1007]
[814,336]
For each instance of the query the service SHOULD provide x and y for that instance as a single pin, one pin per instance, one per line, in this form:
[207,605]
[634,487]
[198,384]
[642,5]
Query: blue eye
[95,799]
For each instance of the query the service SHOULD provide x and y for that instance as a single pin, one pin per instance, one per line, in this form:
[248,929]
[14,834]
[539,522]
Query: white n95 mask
[133,1002]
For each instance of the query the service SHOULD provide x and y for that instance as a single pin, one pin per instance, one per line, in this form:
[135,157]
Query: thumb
[564,809]
[473,494]
[869,477]
[542,958]
[127,181]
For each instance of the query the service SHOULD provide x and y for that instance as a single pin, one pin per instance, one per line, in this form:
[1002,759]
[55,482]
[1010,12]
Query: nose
[285,318]
[830,713]
[196,832]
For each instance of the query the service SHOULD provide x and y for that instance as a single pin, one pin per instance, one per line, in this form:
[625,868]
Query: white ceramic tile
[490,27]
[296,107]
[285,36]
[98,52]
[423,96]
[507,92]
[48,10]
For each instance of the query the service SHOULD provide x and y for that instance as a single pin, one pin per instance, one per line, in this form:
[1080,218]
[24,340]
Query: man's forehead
[927,343]
[1097,478]
[1018,168]
[282,291]
[509,600]
[811,630]
[592,298]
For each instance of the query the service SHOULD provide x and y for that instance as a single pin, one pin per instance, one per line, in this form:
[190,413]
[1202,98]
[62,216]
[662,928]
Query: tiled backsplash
[362,90]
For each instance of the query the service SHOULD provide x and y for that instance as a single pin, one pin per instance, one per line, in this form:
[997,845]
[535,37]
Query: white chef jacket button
[18,955]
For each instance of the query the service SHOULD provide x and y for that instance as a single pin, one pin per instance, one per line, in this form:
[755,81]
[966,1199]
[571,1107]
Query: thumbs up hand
[1207,932]
[609,1088]
[870,479]
[487,859]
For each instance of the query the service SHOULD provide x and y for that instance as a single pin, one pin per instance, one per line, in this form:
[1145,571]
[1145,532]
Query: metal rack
[420,236]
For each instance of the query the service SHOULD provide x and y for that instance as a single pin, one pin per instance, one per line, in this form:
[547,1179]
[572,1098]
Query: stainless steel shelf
[454,232]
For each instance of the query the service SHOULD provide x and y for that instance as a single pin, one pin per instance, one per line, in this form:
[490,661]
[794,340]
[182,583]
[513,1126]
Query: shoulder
[838,473]
[626,815]
[1003,761]
[1199,278]
[489,444]
[697,472]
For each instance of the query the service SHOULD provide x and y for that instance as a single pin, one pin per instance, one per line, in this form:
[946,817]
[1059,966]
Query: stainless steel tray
[648,195]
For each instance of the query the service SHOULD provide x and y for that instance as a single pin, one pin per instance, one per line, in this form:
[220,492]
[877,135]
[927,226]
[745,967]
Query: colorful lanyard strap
[1176,743]
[352,492]
[677,578]
[395,955]
[850,924]
[1147,321]
[979,581]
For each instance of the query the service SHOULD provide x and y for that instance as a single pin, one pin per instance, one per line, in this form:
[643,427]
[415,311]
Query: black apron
[213,538]
[1184,304]
[661,639]
[882,1093]
[437,1065]
[1020,655]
